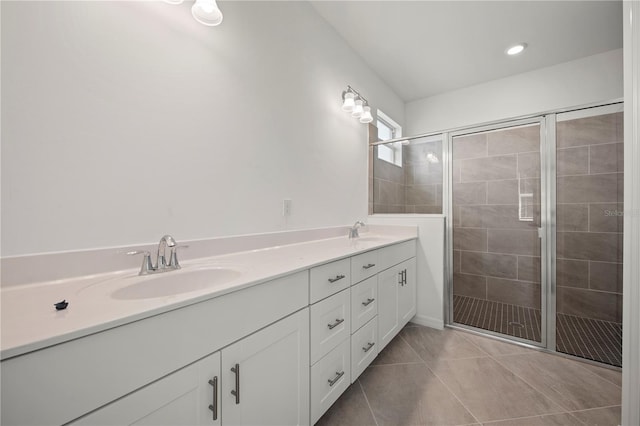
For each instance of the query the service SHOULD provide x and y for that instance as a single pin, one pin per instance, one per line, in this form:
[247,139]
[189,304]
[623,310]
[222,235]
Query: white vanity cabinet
[269,385]
[279,352]
[265,376]
[190,396]
[396,299]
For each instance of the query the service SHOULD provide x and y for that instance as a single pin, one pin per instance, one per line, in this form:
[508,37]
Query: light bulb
[348,103]
[518,48]
[366,115]
[207,12]
[357,110]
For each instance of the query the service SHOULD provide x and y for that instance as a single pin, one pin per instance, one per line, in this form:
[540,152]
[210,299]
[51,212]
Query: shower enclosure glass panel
[496,215]
[406,176]
[589,199]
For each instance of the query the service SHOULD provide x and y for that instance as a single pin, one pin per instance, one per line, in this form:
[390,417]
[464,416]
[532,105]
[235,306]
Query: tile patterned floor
[584,337]
[450,377]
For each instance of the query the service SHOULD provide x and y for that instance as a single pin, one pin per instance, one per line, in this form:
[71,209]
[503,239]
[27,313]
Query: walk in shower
[536,222]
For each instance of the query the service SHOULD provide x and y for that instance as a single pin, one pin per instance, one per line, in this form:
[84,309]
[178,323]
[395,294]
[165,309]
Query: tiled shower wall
[416,187]
[589,217]
[496,252]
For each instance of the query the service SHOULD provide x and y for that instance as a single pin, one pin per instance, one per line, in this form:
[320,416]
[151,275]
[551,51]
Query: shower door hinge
[541,233]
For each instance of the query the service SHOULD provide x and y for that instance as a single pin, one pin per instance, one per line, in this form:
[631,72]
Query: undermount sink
[178,282]
[171,283]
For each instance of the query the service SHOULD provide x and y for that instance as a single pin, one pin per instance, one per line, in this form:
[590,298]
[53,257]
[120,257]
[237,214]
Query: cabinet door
[185,397]
[265,376]
[407,290]
[388,292]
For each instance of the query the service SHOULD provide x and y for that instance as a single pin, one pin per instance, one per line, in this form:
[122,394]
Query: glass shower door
[496,216]
[589,217]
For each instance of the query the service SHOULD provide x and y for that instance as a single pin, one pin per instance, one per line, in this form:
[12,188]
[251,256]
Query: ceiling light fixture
[206,12]
[516,49]
[354,103]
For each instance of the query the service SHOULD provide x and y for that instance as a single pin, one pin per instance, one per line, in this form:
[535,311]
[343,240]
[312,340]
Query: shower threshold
[583,337]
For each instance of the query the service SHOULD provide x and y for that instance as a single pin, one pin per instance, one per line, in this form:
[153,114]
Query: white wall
[123,121]
[429,264]
[592,79]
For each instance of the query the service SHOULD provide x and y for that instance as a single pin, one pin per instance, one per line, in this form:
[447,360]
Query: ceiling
[422,48]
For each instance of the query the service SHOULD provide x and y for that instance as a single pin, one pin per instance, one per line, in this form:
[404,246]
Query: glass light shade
[357,110]
[366,115]
[348,103]
[207,12]
[173,1]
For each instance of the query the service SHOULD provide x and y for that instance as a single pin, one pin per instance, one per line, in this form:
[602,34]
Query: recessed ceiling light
[516,49]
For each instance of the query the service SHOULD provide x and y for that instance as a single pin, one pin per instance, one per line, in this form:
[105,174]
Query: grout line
[443,383]
[595,408]
[530,417]
[368,403]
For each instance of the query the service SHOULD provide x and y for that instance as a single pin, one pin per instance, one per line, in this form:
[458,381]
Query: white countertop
[30,321]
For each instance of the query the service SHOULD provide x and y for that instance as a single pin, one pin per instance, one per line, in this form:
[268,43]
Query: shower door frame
[544,231]
[548,211]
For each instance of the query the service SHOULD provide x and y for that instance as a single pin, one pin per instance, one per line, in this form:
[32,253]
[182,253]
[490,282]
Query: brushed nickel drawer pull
[370,265]
[369,346]
[335,379]
[337,278]
[236,392]
[214,407]
[368,302]
[335,324]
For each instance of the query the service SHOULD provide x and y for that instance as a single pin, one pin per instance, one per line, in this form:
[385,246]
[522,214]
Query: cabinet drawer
[364,302]
[396,253]
[330,377]
[364,348]
[364,266]
[330,324]
[329,279]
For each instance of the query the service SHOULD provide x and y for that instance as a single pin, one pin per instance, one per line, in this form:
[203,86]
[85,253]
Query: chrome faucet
[161,260]
[166,241]
[353,232]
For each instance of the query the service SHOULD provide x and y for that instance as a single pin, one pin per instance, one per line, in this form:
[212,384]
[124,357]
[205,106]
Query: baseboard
[428,321]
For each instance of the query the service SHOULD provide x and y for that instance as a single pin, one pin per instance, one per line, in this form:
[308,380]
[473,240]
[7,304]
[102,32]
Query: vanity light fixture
[516,49]
[354,103]
[206,12]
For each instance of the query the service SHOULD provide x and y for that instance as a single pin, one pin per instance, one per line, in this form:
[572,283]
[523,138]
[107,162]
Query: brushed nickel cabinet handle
[335,379]
[404,276]
[400,281]
[337,278]
[370,265]
[368,347]
[214,406]
[236,391]
[368,302]
[335,324]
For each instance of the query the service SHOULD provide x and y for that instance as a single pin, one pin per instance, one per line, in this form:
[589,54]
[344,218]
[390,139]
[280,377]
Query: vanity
[276,344]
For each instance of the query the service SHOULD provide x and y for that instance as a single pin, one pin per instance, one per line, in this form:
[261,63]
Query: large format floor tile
[397,351]
[448,377]
[490,391]
[351,409]
[410,394]
[564,381]
[433,345]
